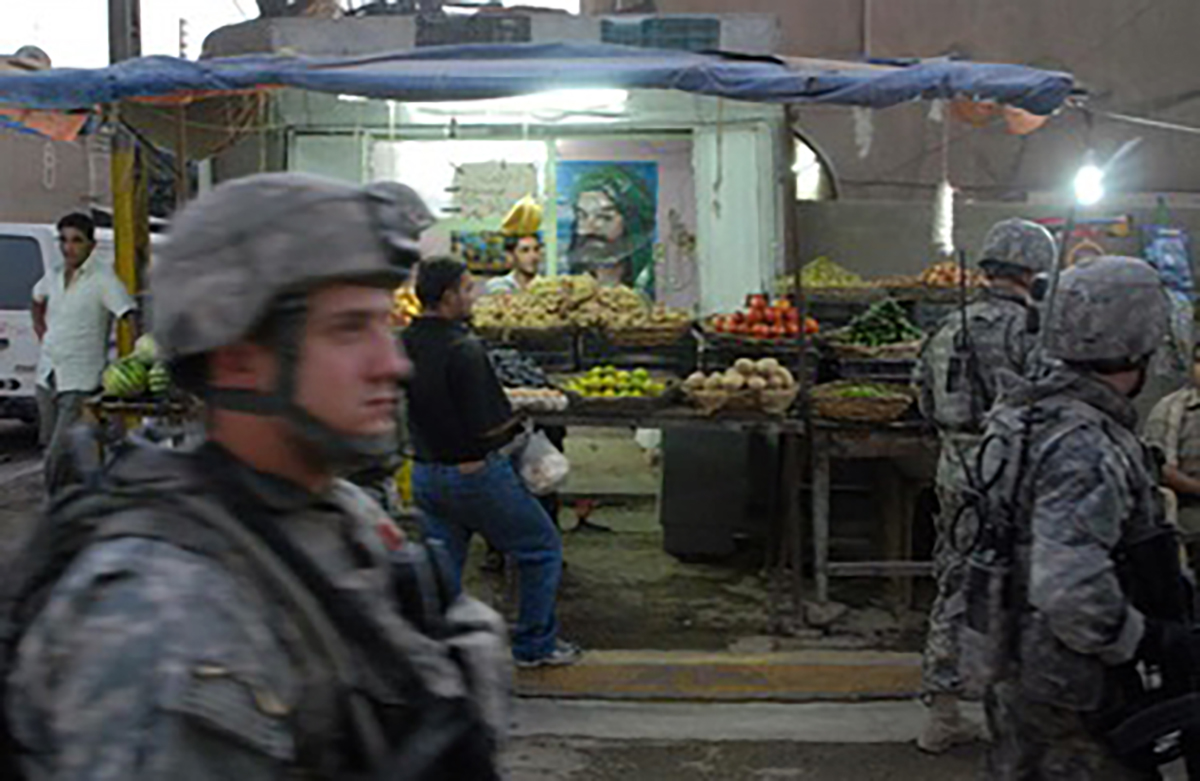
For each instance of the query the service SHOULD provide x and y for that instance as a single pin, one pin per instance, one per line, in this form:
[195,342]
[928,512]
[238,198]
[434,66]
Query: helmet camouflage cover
[1020,243]
[1107,309]
[236,249]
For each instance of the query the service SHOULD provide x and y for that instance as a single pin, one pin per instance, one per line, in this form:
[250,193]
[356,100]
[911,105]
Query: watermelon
[125,379]
[145,349]
[159,380]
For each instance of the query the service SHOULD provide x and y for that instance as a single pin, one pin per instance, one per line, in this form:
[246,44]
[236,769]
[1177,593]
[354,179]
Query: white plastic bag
[542,467]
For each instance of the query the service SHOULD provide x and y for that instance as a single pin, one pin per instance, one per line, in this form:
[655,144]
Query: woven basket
[880,409]
[896,351]
[536,335]
[708,402]
[778,402]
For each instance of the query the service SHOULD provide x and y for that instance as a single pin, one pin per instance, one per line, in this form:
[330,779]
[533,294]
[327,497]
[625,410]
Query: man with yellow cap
[522,247]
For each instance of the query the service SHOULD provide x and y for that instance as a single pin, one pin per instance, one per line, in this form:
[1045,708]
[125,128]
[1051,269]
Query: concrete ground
[597,741]
[602,741]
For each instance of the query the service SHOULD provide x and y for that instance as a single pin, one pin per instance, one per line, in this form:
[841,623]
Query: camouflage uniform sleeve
[1081,501]
[148,663]
[1155,431]
[922,379]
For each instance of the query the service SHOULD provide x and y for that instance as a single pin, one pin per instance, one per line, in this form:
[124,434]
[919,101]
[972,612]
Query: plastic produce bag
[542,467]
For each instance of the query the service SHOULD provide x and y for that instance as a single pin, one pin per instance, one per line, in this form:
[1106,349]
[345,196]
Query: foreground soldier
[231,613]
[1071,508]
[961,370]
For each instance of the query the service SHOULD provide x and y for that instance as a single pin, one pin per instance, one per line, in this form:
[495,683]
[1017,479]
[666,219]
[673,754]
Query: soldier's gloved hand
[1170,645]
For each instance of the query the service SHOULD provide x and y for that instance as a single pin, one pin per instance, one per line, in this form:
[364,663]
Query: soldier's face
[351,363]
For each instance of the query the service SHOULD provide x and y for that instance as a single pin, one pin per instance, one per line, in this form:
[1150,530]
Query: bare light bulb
[1089,185]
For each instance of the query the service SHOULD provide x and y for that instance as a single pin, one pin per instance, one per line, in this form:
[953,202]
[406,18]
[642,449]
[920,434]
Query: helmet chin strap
[341,453]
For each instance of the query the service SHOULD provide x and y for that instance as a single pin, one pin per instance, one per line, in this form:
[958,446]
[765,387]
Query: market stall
[662,234]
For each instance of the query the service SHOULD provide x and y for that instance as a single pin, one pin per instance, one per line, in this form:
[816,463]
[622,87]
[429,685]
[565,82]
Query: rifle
[1157,718]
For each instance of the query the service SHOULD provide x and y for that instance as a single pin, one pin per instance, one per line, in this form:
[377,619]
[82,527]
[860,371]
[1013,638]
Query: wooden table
[832,440]
[785,546]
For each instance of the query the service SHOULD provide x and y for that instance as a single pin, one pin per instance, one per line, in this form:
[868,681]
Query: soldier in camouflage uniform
[960,374]
[190,637]
[1062,451]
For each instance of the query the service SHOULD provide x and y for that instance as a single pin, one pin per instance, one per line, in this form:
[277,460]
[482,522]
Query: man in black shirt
[459,419]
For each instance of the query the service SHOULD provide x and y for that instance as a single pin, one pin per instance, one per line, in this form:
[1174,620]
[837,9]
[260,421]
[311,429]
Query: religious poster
[607,221]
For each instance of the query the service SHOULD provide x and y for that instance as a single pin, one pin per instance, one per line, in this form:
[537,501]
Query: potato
[715,383]
[756,384]
[744,366]
[734,381]
[695,381]
[767,366]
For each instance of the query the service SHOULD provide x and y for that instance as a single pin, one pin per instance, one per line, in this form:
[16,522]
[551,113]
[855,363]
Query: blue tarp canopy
[491,71]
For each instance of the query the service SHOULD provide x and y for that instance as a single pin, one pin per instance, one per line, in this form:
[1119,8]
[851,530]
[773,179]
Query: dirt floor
[622,591]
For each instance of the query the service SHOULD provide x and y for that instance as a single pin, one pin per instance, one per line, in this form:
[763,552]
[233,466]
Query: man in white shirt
[73,309]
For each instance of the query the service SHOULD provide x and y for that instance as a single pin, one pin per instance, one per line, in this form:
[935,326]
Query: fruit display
[864,402]
[864,390]
[517,370]
[125,379]
[556,302]
[518,310]
[405,306]
[762,385]
[537,399]
[137,374]
[820,274]
[608,382]
[763,320]
[949,274]
[745,374]
[882,324]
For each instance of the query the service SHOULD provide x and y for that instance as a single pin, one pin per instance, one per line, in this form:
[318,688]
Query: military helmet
[1107,309]
[240,247]
[1019,243]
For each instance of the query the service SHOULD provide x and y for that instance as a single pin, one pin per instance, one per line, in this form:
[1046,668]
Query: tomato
[793,316]
[771,316]
[738,318]
[811,326]
[757,301]
[720,325]
[761,331]
[793,329]
[755,317]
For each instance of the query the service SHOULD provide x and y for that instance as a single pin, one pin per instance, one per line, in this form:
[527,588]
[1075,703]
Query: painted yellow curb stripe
[789,677]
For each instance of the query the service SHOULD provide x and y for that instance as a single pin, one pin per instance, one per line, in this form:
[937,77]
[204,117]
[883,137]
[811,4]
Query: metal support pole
[820,515]
[129,193]
[792,517]
[182,188]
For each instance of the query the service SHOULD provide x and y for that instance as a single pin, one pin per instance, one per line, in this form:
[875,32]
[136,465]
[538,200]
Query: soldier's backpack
[427,736]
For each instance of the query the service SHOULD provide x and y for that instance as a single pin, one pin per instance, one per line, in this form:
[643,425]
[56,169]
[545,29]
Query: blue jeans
[494,503]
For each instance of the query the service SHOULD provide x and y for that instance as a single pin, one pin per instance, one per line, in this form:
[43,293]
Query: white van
[27,251]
